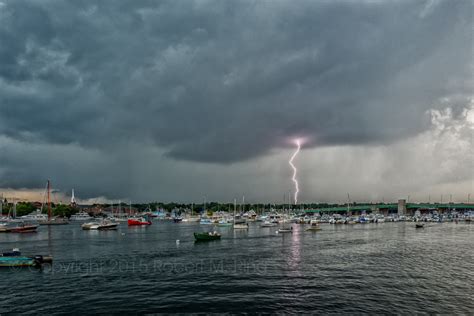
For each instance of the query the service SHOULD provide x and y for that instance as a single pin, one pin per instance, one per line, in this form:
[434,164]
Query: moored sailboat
[241,224]
[52,220]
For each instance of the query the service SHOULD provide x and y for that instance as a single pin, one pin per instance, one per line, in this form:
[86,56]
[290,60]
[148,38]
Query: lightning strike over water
[297,189]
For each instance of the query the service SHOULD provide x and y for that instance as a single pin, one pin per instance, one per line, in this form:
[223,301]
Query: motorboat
[9,219]
[314,226]
[14,258]
[107,225]
[90,226]
[205,221]
[224,223]
[268,224]
[192,219]
[81,216]
[207,236]
[138,221]
[24,228]
[419,225]
[35,216]
[4,228]
[241,226]
[379,219]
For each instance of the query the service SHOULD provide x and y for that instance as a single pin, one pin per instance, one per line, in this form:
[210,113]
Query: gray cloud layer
[223,81]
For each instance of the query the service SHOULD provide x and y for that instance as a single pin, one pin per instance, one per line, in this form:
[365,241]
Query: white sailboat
[243,225]
[287,229]
[120,217]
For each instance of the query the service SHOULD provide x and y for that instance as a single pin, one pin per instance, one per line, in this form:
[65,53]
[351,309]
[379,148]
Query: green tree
[24,208]
[63,210]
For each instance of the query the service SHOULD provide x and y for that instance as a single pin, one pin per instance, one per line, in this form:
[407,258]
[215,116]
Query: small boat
[102,225]
[239,223]
[205,221]
[24,229]
[107,225]
[35,217]
[285,230]
[4,228]
[14,258]
[241,226]
[138,221]
[314,226]
[81,216]
[224,223]
[268,224]
[90,226]
[207,236]
[177,219]
[419,225]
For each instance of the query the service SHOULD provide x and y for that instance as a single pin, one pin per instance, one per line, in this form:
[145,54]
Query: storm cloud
[92,86]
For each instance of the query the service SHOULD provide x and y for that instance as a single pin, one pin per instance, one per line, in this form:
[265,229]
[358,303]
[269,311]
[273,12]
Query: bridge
[393,207]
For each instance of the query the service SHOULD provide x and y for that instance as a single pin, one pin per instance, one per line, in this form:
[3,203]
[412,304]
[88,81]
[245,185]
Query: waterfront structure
[387,209]
[402,207]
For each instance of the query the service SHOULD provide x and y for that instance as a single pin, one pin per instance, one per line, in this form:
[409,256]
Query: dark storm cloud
[225,81]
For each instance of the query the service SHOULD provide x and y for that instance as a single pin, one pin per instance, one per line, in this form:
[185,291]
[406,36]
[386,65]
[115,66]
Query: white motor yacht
[35,216]
[81,216]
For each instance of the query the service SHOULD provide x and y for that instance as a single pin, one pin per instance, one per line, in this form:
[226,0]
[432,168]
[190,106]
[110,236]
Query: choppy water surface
[375,268]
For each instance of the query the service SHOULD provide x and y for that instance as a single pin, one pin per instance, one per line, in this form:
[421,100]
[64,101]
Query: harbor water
[388,268]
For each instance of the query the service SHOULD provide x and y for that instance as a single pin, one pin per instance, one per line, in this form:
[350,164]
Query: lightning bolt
[297,189]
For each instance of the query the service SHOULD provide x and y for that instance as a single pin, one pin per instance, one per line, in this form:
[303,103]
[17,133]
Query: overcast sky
[181,100]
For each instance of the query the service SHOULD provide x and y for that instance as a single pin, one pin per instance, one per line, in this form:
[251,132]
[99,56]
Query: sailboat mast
[14,208]
[49,200]
[348,203]
[235,207]
[289,201]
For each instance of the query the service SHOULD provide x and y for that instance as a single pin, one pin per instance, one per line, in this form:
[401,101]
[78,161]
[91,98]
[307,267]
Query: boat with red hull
[24,229]
[138,221]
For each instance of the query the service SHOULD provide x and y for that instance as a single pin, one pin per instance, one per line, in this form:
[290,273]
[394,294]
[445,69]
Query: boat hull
[107,227]
[313,229]
[17,262]
[24,229]
[22,261]
[134,222]
[206,237]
